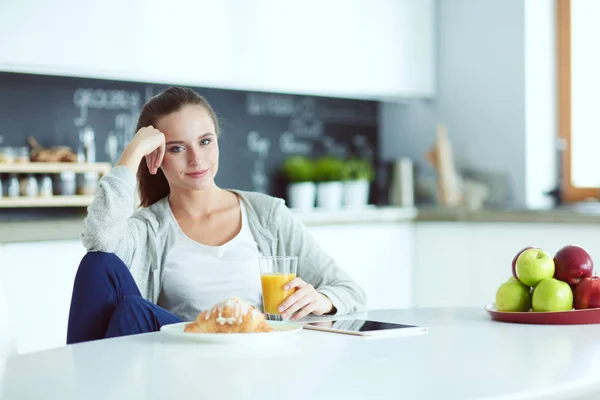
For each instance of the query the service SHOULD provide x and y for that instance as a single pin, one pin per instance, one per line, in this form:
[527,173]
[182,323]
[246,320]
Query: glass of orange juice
[275,272]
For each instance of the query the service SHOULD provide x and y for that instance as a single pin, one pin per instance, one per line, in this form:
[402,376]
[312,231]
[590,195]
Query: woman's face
[191,153]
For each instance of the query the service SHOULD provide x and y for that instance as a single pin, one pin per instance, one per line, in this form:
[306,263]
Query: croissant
[230,316]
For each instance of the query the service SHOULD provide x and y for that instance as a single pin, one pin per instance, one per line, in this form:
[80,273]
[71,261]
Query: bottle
[22,155]
[29,186]
[402,191]
[87,142]
[46,186]
[66,184]
[12,189]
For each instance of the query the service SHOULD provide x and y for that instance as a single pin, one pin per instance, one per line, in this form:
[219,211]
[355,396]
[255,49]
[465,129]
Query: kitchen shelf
[50,168]
[50,201]
[53,168]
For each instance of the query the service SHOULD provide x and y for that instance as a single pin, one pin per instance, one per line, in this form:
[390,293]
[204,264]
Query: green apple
[533,265]
[552,295]
[512,295]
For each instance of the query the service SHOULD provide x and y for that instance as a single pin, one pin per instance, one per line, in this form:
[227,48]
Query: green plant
[358,169]
[329,169]
[297,169]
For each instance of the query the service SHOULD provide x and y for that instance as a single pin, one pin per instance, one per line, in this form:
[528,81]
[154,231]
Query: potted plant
[301,190]
[358,175]
[329,173]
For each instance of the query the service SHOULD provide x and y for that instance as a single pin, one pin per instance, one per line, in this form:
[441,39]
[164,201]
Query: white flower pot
[356,193]
[301,195]
[330,195]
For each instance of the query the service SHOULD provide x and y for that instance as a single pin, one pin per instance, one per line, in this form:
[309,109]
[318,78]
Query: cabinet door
[495,245]
[444,264]
[38,280]
[378,256]
[187,42]
[7,332]
[339,48]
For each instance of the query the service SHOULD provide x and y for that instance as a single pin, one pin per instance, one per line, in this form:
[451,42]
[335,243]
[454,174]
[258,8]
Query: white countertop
[70,228]
[464,356]
[367,214]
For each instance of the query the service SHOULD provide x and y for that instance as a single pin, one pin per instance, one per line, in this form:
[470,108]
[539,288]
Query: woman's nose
[194,157]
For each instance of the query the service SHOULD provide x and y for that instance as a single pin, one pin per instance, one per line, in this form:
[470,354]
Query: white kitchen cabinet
[339,48]
[495,245]
[444,263]
[464,263]
[7,329]
[38,281]
[378,256]
[336,48]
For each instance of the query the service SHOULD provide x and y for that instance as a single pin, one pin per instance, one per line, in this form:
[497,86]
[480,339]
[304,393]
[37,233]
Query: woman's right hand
[148,142]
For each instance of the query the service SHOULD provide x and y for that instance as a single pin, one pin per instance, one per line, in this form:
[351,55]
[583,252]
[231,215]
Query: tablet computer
[363,327]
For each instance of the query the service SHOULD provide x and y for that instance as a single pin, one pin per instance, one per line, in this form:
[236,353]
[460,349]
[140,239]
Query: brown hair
[154,187]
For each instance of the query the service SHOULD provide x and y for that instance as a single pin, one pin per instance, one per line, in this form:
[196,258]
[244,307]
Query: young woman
[192,243]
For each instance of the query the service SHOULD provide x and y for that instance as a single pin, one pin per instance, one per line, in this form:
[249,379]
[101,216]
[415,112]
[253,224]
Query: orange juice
[273,292]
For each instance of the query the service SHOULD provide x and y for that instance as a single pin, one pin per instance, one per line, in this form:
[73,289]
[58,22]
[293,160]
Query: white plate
[281,328]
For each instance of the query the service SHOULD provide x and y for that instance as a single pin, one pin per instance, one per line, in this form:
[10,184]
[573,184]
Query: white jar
[28,186]
[46,186]
[12,188]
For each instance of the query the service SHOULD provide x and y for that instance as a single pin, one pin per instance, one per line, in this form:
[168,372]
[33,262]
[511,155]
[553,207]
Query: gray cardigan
[141,239]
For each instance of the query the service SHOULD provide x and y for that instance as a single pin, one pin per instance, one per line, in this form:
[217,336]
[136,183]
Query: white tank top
[197,276]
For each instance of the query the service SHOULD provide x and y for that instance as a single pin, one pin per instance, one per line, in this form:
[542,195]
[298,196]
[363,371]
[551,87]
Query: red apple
[572,264]
[587,293]
[514,261]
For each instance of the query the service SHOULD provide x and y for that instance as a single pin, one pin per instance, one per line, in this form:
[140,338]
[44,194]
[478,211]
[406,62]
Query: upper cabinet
[382,49]
[343,48]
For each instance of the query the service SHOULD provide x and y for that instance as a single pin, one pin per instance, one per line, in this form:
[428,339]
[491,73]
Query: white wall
[541,122]
[482,85]
[496,94]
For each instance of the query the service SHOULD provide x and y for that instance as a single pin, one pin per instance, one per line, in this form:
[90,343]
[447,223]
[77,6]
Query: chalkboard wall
[259,129]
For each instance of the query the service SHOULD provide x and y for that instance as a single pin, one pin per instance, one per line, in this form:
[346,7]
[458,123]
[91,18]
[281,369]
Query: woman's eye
[176,149]
[205,142]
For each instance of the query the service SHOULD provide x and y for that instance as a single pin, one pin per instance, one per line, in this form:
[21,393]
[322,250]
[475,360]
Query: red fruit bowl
[573,317]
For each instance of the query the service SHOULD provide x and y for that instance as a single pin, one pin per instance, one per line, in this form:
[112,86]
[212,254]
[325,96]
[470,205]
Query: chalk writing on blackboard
[363,147]
[276,105]
[288,144]
[335,148]
[101,99]
[126,103]
[302,112]
[149,92]
[260,146]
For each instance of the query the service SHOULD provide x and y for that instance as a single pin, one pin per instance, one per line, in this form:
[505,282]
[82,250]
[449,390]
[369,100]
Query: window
[578,71]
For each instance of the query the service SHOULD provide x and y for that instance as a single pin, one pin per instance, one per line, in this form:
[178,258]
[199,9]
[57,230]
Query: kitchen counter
[561,215]
[38,230]
[70,227]
[370,214]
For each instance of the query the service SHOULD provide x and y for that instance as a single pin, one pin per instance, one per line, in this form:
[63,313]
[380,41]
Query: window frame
[569,193]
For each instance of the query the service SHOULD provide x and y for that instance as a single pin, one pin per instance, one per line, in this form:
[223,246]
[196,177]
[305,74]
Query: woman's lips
[197,174]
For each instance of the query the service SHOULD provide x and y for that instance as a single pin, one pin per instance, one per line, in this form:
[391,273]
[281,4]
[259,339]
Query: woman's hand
[148,142]
[306,299]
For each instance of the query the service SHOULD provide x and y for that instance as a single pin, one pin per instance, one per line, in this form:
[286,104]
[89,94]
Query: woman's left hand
[306,299]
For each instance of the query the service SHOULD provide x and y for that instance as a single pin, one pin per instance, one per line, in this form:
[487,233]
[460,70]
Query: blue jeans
[106,302]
